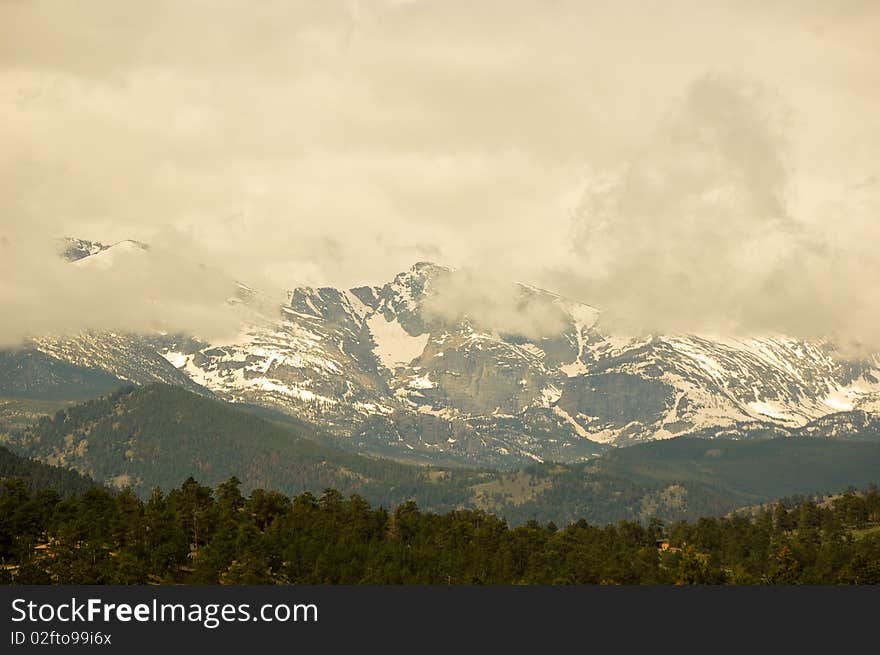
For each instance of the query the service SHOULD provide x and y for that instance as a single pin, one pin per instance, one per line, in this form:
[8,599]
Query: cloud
[695,232]
[492,304]
[123,289]
[336,143]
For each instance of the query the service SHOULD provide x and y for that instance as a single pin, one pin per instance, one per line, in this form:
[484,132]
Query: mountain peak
[422,271]
[425,266]
[73,249]
[108,256]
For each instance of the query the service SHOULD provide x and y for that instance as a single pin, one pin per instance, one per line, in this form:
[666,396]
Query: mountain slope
[682,478]
[769,468]
[385,372]
[33,374]
[374,364]
[39,476]
[159,435]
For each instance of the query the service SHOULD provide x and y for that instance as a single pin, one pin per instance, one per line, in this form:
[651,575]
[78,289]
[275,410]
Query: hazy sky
[683,165]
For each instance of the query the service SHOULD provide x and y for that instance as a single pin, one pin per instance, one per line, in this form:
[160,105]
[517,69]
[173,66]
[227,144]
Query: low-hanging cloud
[338,142]
[124,289]
[490,303]
[696,233]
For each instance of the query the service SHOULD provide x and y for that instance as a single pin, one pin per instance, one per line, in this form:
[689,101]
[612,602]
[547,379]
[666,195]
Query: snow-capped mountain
[383,374]
[73,249]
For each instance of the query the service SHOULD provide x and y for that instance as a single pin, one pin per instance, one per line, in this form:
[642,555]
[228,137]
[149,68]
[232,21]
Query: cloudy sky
[692,166]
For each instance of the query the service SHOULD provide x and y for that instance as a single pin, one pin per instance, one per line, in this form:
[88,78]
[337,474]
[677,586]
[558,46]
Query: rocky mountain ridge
[378,368]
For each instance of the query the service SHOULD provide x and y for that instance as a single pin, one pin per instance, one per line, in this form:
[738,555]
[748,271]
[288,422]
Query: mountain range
[380,372]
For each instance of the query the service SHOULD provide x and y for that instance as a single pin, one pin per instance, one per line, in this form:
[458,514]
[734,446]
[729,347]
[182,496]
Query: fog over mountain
[714,175]
[699,232]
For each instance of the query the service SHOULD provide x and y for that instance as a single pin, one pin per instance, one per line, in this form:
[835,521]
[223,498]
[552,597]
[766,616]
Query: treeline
[196,534]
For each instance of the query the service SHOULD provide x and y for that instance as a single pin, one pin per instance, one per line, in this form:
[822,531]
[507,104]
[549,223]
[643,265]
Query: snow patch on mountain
[577,427]
[177,359]
[550,395]
[394,347]
[110,256]
[420,382]
[772,410]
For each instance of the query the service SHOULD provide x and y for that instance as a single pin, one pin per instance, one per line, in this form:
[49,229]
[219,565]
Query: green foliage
[37,476]
[199,535]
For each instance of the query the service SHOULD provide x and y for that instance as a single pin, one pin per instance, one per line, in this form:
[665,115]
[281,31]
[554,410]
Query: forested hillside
[41,477]
[682,478]
[159,435]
